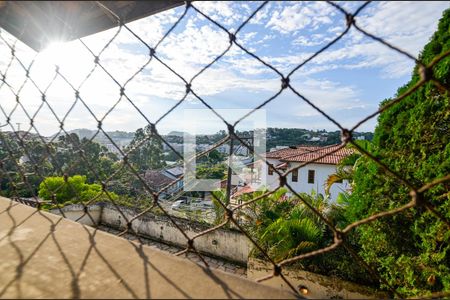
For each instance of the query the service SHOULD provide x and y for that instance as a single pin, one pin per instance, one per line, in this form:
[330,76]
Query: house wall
[322,171]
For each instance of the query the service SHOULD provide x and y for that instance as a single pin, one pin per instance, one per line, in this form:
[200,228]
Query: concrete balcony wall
[76,213]
[47,256]
[225,243]
[317,286]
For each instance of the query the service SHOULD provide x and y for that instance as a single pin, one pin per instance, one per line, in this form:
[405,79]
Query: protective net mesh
[17,144]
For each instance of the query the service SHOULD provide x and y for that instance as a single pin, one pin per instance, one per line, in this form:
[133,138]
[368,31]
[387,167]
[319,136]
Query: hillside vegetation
[411,249]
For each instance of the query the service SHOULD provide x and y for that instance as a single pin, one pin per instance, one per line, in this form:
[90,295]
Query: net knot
[350,19]
[276,270]
[346,136]
[426,73]
[284,82]
[417,197]
[232,38]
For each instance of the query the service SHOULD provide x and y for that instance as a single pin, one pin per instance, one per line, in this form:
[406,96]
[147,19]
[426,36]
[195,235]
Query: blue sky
[347,81]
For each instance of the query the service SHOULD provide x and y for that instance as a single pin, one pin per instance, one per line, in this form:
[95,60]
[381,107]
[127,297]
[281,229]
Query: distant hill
[176,133]
[275,136]
[82,133]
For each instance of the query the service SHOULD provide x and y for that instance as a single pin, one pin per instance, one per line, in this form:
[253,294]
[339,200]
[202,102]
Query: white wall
[322,171]
[226,243]
[75,213]
[229,244]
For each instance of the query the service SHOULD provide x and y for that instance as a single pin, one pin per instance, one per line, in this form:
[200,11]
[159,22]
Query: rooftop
[176,171]
[322,155]
[156,178]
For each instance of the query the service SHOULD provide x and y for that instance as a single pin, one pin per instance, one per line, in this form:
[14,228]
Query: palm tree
[219,210]
[346,167]
[286,238]
[286,227]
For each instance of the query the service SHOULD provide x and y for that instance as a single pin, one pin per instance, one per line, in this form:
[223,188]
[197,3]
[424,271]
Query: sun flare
[67,57]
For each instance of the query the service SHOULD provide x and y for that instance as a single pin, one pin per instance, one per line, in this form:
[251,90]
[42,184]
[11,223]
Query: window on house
[295,175]
[270,170]
[311,174]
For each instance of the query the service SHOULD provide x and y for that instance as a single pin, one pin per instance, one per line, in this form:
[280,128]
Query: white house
[310,177]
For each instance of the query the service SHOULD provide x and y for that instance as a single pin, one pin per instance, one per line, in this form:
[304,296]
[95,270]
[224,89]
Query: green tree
[75,156]
[219,210]
[283,225]
[410,249]
[74,189]
[207,171]
[28,157]
[8,168]
[286,227]
[346,168]
[213,157]
[146,150]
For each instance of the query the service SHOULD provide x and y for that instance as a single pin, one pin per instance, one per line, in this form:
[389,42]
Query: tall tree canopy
[411,249]
[146,150]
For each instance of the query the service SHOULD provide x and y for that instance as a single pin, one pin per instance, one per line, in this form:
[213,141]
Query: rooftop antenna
[18,126]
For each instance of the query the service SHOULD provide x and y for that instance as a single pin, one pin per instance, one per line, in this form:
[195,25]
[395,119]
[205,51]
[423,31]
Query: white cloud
[262,15]
[328,95]
[300,15]
[408,25]
[312,40]
[221,11]
[196,43]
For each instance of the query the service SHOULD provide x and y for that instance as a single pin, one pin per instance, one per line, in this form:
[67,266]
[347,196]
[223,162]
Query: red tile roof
[282,166]
[244,190]
[155,179]
[309,153]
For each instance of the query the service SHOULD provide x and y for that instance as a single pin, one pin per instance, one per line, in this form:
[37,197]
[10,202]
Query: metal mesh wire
[21,176]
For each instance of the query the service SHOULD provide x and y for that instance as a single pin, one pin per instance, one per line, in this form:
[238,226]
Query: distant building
[202,147]
[314,139]
[225,149]
[305,136]
[157,180]
[278,148]
[176,146]
[174,173]
[323,138]
[311,176]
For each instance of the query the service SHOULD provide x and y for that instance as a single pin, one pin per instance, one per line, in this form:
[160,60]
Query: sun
[66,57]
[54,54]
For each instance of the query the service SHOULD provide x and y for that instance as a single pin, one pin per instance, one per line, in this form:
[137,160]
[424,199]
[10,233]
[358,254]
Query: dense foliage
[411,249]
[66,155]
[277,137]
[211,166]
[145,150]
[285,227]
[74,189]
